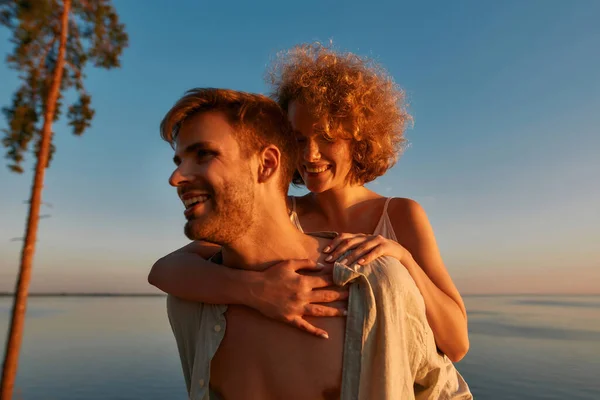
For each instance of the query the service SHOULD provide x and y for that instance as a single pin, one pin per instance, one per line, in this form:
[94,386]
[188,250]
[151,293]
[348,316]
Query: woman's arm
[177,274]
[445,308]
[280,292]
[417,250]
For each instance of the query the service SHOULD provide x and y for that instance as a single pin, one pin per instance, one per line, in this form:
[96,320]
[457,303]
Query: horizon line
[126,294]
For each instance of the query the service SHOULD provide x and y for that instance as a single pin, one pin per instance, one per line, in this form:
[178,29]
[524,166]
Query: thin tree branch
[46,51]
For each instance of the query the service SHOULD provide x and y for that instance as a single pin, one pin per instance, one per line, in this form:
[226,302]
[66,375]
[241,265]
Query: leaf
[81,114]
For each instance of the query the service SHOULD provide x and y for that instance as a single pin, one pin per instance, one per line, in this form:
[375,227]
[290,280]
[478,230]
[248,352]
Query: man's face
[213,179]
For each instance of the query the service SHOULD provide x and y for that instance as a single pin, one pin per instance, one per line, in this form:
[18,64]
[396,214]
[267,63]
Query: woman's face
[323,164]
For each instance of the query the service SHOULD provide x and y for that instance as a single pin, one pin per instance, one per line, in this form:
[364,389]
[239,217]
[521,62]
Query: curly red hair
[358,98]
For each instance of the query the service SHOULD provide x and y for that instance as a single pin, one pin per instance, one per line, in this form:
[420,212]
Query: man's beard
[230,217]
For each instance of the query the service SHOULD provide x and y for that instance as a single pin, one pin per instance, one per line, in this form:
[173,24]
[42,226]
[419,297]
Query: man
[233,153]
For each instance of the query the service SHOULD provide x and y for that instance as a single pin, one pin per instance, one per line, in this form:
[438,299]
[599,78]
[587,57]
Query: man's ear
[270,158]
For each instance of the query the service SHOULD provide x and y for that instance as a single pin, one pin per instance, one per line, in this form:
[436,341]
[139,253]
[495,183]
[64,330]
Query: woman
[349,118]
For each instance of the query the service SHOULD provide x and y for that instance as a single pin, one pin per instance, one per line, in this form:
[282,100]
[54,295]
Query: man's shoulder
[191,317]
[178,307]
[177,304]
[323,234]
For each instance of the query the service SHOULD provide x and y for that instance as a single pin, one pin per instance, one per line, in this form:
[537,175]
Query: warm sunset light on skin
[502,155]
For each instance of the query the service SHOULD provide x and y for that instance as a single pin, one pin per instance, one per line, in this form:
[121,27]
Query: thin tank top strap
[385,206]
[293,203]
[294,216]
[384,226]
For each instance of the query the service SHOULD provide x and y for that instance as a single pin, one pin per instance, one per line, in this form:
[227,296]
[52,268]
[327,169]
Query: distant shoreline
[5,294]
[65,294]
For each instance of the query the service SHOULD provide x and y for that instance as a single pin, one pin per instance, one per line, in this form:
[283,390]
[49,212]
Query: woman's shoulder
[404,205]
[406,213]
[410,223]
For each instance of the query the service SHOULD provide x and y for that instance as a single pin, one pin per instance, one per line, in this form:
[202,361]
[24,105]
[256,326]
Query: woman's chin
[315,187]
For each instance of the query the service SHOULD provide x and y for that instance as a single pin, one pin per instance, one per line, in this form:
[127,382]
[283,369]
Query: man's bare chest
[270,358]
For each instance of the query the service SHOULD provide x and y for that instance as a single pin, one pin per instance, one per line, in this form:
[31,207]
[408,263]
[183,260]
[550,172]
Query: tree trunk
[15,333]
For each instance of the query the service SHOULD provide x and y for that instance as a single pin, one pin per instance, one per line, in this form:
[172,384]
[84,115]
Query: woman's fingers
[336,241]
[344,245]
[372,255]
[360,252]
[339,239]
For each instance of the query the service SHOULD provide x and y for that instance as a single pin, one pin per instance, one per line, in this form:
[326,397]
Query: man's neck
[272,238]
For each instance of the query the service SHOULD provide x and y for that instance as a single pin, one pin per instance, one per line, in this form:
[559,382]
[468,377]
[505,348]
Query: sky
[506,104]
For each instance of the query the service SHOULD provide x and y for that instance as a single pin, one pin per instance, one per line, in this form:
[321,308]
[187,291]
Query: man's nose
[311,151]
[180,177]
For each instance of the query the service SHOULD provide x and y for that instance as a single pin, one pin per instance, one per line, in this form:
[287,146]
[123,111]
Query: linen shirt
[389,348]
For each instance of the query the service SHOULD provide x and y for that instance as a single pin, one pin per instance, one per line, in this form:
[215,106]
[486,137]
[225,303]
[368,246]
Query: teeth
[316,170]
[192,200]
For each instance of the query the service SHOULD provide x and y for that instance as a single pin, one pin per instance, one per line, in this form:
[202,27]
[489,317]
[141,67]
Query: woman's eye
[327,139]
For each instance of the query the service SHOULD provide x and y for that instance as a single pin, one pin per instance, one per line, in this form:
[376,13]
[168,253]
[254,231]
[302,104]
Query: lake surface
[80,348]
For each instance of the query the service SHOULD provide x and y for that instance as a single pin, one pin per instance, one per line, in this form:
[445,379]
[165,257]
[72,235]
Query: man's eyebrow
[193,148]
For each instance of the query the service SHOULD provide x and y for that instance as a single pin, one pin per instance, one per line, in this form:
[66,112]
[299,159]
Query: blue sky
[505,96]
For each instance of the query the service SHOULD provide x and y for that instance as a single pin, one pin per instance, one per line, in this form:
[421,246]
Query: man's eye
[300,139]
[204,154]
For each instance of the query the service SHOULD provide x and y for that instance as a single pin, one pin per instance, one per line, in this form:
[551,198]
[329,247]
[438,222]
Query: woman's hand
[284,293]
[365,248]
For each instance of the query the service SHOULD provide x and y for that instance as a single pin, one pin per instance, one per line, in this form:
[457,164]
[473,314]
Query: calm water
[527,347]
